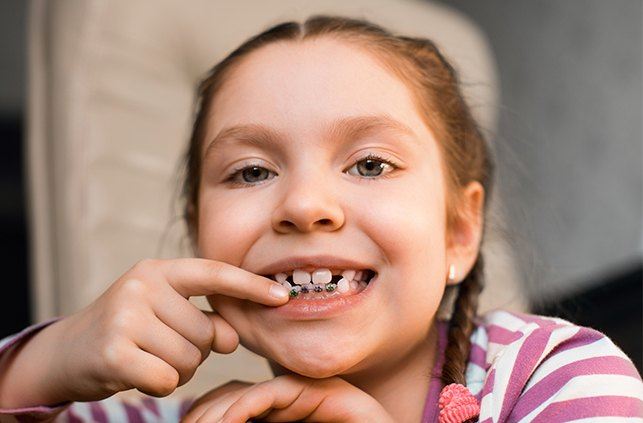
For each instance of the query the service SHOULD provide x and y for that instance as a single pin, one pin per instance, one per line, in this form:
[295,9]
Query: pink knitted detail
[457,405]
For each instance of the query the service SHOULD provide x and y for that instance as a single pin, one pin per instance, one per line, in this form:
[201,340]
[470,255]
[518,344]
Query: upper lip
[311,263]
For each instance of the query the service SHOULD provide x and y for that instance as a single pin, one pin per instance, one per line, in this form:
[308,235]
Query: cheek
[227,227]
[408,222]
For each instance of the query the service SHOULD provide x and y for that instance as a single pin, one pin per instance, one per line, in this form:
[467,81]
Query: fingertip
[279,292]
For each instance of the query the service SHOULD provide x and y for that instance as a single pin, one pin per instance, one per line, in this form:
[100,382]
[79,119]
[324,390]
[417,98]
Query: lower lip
[301,309]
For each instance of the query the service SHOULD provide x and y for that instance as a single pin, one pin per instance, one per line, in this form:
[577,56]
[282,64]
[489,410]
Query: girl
[335,193]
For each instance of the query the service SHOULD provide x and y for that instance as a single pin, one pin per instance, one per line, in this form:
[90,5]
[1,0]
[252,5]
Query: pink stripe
[584,336]
[501,335]
[488,385]
[616,406]
[133,413]
[98,414]
[72,416]
[478,356]
[528,356]
[552,383]
[185,406]
[151,405]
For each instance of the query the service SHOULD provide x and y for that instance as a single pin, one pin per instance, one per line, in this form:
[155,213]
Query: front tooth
[322,276]
[343,285]
[281,277]
[300,277]
[349,274]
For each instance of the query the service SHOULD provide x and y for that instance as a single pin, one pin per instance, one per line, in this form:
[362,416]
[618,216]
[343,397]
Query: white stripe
[600,348]
[504,365]
[169,409]
[81,409]
[486,407]
[114,409]
[475,377]
[584,386]
[506,320]
[588,386]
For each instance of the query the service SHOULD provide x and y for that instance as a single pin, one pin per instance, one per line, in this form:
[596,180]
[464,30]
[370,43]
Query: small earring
[452,273]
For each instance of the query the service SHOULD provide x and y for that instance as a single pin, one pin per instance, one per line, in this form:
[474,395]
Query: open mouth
[324,283]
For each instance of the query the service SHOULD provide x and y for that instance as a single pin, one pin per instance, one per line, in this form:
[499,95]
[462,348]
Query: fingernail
[279,291]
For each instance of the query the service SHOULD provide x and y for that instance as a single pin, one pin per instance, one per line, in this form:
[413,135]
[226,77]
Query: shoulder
[551,368]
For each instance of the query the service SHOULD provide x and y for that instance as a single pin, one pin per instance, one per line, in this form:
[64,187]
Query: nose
[308,203]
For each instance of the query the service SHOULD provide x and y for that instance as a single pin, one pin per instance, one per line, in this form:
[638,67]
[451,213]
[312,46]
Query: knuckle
[209,332]
[146,265]
[134,287]
[121,321]
[113,355]
[216,270]
[192,357]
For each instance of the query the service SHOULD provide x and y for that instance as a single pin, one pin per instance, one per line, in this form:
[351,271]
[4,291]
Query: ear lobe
[466,234]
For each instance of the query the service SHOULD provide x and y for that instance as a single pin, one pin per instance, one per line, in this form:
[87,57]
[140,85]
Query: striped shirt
[522,368]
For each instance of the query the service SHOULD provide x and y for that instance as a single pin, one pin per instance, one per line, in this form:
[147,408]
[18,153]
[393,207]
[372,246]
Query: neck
[401,387]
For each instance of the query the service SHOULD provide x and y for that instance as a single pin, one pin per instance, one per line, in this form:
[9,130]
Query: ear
[463,241]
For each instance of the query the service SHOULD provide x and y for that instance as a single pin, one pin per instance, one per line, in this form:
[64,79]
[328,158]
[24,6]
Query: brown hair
[419,64]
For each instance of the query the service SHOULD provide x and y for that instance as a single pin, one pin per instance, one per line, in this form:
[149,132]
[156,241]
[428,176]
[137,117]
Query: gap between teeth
[321,280]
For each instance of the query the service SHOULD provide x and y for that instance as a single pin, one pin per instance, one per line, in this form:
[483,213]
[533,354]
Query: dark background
[569,146]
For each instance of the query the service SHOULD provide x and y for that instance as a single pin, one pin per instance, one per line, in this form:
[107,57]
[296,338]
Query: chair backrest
[111,88]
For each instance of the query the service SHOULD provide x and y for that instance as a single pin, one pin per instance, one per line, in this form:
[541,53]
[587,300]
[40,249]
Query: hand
[142,333]
[287,398]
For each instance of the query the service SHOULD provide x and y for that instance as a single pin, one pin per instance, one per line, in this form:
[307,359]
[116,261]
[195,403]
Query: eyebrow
[341,129]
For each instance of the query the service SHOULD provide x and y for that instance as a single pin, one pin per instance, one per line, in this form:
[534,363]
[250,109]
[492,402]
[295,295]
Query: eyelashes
[236,177]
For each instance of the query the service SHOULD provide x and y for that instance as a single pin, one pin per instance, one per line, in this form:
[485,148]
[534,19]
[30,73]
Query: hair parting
[434,83]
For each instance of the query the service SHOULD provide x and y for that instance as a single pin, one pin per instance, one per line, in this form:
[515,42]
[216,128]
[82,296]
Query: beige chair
[111,87]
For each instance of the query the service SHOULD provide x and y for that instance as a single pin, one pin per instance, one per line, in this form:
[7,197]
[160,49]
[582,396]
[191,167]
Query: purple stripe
[72,416]
[151,405]
[553,382]
[501,335]
[133,413]
[584,336]
[478,356]
[613,405]
[488,385]
[98,414]
[185,406]
[527,359]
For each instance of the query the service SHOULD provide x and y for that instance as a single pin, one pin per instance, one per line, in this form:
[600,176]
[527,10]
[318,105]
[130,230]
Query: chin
[316,367]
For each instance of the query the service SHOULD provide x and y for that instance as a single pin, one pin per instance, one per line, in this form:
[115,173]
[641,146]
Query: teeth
[319,276]
[343,285]
[300,277]
[349,274]
[322,276]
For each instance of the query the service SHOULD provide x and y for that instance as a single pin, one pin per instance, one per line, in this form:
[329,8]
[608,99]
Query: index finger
[196,276]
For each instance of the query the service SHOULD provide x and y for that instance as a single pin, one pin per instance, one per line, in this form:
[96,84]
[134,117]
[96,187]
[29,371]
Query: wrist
[26,372]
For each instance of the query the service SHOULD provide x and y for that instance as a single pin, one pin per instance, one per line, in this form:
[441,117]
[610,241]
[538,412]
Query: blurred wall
[570,137]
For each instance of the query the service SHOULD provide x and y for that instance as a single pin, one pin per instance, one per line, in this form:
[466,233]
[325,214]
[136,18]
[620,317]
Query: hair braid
[461,325]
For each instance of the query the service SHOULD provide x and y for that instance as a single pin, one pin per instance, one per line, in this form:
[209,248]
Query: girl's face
[315,196]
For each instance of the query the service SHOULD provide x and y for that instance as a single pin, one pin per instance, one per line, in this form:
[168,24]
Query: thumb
[226,339]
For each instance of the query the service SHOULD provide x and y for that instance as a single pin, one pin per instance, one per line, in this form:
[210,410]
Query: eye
[373,165]
[250,175]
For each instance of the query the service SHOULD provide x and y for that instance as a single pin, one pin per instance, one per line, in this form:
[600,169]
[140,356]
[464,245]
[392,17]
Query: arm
[557,372]
[10,347]
[147,409]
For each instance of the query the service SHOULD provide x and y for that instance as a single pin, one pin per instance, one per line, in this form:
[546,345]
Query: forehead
[301,87]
